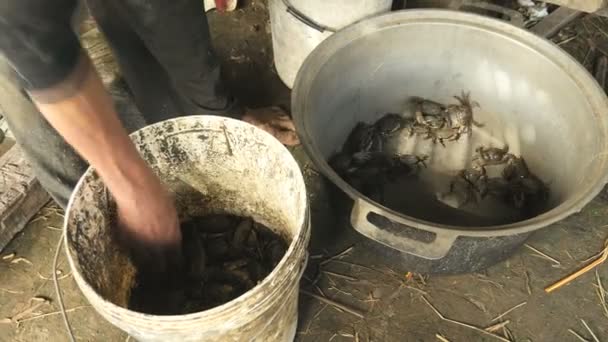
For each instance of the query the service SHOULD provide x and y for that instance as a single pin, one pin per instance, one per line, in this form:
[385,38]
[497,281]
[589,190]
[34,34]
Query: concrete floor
[391,303]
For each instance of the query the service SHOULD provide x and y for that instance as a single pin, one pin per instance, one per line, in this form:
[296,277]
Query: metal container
[298,26]
[532,95]
[212,165]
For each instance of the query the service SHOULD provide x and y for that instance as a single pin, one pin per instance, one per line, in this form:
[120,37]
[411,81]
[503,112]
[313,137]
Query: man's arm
[37,40]
[87,120]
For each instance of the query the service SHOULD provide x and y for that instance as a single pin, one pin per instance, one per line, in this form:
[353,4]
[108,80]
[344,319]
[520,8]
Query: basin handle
[429,245]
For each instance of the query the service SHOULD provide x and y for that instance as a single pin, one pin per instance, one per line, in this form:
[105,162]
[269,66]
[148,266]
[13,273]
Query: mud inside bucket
[212,165]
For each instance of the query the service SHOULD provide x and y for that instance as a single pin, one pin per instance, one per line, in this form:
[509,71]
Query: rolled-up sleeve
[37,39]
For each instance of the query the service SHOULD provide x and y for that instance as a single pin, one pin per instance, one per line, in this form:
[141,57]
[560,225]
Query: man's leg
[146,78]
[177,34]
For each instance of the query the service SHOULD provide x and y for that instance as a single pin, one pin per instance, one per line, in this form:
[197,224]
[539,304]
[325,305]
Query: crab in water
[442,134]
[492,155]
[413,160]
[471,181]
[341,162]
[368,173]
[460,116]
[431,122]
[361,138]
[428,107]
[525,188]
[412,127]
[497,187]
[516,168]
[476,176]
[390,124]
[379,165]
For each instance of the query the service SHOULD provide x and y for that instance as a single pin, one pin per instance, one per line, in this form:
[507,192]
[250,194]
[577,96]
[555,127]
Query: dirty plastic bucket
[212,165]
[533,97]
[298,26]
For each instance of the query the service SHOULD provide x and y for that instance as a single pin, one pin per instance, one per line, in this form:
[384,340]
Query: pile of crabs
[365,164]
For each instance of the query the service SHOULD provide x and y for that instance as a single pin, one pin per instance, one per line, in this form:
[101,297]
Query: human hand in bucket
[148,225]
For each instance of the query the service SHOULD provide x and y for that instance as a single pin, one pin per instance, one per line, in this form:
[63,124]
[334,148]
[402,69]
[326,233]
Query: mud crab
[390,124]
[524,187]
[362,138]
[460,116]
[492,155]
[428,107]
[472,182]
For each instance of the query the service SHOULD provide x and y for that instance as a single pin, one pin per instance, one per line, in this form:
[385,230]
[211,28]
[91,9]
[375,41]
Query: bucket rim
[595,96]
[271,283]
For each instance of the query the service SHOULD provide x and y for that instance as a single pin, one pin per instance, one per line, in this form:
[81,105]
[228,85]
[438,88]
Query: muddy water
[427,198]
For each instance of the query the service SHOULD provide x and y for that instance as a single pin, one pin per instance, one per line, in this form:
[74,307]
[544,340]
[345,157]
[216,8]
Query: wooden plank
[21,195]
[558,19]
[581,5]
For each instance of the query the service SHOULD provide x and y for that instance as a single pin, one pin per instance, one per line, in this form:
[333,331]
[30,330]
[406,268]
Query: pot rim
[595,95]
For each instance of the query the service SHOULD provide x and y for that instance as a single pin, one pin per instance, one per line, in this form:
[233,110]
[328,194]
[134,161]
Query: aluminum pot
[533,97]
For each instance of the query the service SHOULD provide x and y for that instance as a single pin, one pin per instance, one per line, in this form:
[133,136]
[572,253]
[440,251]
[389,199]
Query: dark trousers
[164,53]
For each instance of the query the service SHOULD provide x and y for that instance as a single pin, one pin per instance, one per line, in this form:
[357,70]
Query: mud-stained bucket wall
[213,165]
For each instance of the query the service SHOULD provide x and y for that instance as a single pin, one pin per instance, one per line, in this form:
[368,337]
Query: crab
[476,180]
[442,134]
[390,124]
[370,157]
[411,159]
[497,187]
[527,191]
[412,127]
[463,191]
[340,162]
[369,165]
[369,173]
[518,195]
[460,116]
[476,176]
[525,188]
[492,155]
[379,166]
[516,169]
[431,122]
[405,165]
[428,107]
[377,142]
[362,138]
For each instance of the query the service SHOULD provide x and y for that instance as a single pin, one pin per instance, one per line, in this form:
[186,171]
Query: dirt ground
[389,304]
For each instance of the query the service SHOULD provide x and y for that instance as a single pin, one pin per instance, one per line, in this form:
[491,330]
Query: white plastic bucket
[298,26]
[213,165]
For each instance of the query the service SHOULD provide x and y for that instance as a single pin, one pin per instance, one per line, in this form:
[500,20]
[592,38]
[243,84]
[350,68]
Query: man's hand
[81,110]
[149,224]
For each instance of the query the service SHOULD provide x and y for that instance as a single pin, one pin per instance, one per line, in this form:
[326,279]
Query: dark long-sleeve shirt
[37,39]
